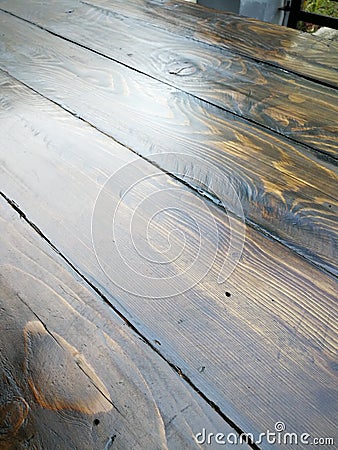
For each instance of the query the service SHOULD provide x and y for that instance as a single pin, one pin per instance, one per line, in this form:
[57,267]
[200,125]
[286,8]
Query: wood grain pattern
[282,47]
[88,381]
[288,104]
[270,174]
[262,345]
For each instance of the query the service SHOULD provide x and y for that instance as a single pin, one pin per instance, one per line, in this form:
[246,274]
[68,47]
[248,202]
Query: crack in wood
[325,156]
[211,403]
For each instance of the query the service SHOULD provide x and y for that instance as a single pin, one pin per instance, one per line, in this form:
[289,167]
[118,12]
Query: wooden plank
[288,104]
[270,174]
[282,47]
[87,379]
[262,345]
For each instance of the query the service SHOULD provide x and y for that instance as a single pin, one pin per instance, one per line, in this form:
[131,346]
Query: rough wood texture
[72,375]
[269,173]
[288,104]
[262,346]
[283,47]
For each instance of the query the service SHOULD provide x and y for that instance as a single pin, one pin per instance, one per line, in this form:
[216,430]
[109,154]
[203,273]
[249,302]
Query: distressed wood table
[168,225]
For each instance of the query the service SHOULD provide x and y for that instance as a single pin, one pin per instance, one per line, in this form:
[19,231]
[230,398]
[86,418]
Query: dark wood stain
[269,173]
[282,47]
[85,375]
[99,351]
[268,349]
[283,102]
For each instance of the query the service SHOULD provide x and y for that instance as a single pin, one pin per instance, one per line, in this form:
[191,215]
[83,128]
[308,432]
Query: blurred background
[275,11]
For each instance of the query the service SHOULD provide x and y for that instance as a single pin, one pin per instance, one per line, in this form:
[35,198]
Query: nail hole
[228,294]
[329,206]
[96,422]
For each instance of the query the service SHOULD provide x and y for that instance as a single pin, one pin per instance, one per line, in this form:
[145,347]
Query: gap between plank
[237,52]
[197,190]
[141,336]
[318,152]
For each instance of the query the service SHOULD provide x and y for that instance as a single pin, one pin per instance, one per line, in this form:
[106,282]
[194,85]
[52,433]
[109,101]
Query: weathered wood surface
[262,346]
[72,375]
[288,104]
[283,47]
[269,173]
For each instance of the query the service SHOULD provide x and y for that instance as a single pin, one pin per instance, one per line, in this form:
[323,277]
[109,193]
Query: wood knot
[12,415]
[59,376]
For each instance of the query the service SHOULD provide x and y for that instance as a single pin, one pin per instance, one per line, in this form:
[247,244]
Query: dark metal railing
[297,14]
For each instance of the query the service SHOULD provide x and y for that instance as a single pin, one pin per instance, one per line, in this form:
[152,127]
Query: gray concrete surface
[266,10]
